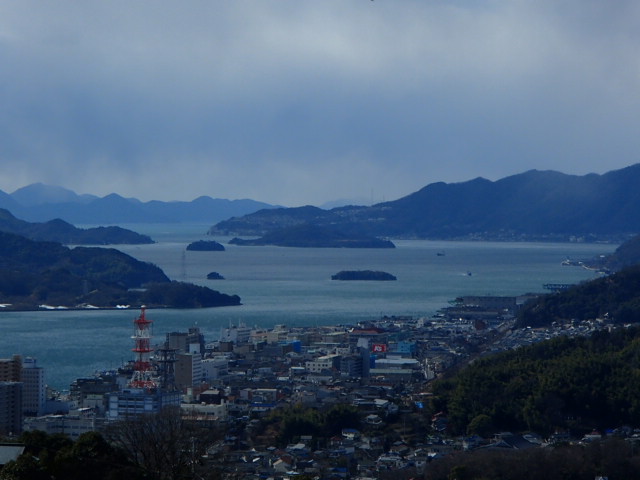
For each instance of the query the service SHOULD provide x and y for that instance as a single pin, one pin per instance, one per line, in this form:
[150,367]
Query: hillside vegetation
[565,383]
[616,296]
[625,255]
[36,273]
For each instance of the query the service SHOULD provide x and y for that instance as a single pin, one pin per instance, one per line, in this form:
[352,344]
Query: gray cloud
[301,102]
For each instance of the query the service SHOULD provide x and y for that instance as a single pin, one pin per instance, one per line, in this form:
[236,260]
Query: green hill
[34,273]
[566,383]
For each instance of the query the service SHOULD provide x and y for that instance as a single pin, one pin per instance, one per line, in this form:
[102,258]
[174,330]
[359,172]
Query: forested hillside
[566,383]
[48,273]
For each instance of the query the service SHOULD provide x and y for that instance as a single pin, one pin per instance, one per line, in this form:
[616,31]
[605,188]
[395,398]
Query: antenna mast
[142,348]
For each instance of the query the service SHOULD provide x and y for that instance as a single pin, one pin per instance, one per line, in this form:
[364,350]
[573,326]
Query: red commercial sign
[379,348]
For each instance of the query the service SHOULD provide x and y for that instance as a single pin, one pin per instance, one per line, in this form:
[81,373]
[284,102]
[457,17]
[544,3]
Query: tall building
[34,393]
[10,408]
[355,365]
[10,369]
[177,341]
[184,342]
[27,371]
[188,370]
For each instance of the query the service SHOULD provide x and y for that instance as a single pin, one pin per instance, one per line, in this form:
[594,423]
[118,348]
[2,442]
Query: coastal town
[380,371]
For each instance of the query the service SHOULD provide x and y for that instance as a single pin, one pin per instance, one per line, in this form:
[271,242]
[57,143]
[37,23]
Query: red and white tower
[142,367]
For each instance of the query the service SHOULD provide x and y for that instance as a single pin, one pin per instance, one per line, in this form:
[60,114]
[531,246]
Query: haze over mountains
[534,205]
[40,203]
[531,205]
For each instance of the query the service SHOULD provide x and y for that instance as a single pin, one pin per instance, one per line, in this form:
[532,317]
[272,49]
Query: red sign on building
[378,348]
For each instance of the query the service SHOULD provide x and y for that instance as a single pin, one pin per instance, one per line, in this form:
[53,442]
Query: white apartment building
[326,362]
[214,368]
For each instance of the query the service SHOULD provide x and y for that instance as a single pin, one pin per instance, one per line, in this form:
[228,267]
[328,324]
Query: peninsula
[314,236]
[47,275]
[58,230]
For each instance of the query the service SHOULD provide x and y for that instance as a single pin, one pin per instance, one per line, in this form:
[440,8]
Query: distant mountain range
[534,205]
[41,203]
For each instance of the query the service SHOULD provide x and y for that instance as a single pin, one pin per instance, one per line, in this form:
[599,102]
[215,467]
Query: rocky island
[363,275]
[205,246]
[214,276]
[314,236]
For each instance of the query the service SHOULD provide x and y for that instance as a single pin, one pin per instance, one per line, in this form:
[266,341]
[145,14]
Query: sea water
[292,286]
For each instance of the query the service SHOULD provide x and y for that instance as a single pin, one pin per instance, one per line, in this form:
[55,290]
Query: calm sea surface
[291,286]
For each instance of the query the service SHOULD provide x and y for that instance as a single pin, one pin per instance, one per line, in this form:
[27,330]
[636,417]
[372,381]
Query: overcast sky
[305,101]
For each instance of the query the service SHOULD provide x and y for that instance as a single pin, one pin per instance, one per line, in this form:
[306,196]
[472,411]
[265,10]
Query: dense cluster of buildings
[379,367]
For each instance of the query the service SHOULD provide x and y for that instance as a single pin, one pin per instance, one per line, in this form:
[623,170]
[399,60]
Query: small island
[214,276]
[205,246]
[363,275]
[313,236]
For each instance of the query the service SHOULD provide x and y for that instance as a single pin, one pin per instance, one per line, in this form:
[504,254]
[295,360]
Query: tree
[163,444]
[481,425]
[25,467]
[339,417]
[56,456]
[92,453]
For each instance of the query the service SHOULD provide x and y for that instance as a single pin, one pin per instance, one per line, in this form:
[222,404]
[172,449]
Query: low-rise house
[373,420]
[390,461]
[72,424]
[350,433]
